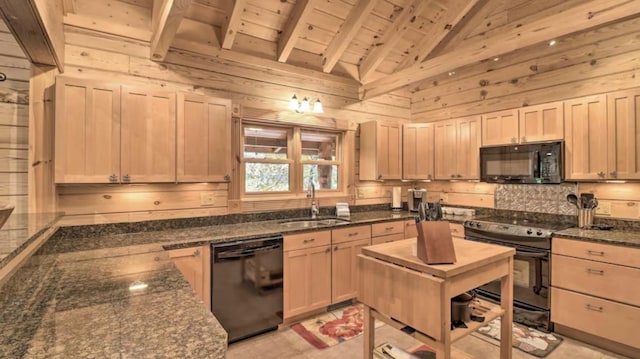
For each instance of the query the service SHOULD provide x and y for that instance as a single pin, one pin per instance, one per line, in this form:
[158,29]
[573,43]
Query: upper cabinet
[204,139]
[623,114]
[87,131]
[585,138]
[457,144]
[417,151]
[527,124]
[148,135]
[380,151]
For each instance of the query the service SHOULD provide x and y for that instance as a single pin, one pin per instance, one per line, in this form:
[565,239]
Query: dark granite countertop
[621,238]
[21,230]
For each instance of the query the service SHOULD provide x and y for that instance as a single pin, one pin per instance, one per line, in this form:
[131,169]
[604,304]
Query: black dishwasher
[246,286]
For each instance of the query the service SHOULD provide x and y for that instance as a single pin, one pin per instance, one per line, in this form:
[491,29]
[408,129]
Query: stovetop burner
[510,229]
[549,226]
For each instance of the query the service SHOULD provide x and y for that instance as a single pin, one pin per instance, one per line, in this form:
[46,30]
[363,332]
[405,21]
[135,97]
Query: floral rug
[334,327]
[528,340]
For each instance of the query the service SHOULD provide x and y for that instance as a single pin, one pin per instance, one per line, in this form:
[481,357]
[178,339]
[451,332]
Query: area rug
[388,350]
[528,340]
[332,328]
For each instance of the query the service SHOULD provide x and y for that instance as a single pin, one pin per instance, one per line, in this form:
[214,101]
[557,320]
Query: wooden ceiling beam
[581,17]
[167,18]
[232,24]
[294,27]
[37,27]
[455,12]
[346,33]
[391,37]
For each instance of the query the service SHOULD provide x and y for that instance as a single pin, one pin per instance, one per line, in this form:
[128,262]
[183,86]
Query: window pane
[260,142]
[266,177]
[323,176]
[317,146]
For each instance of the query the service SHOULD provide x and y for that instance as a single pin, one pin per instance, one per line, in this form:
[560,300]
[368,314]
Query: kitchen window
[288,159]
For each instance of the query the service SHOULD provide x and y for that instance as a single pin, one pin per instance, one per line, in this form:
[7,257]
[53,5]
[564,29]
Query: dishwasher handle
[246,252]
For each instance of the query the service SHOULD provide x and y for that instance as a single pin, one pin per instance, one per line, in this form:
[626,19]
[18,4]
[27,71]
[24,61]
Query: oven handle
[531,254]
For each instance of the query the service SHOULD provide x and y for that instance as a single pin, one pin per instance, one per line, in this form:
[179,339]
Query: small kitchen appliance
[416,197]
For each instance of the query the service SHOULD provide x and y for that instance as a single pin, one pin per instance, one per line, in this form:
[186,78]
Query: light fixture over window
[304,105]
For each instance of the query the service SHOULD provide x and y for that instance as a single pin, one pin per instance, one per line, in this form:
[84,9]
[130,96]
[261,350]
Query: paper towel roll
[397,198]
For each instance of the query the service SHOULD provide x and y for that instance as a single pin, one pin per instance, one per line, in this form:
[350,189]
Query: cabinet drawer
[457,230]
[613,321]
[350,234]
[387,238]
[600,279]
[410,230]
[597,251]
[383,229]
[306,240]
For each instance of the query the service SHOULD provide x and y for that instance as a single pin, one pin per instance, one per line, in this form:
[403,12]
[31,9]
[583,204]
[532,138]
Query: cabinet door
[500,128]
[468,149]
[445,148]
[195,265]
[585,138]
[344,269]
[623,119]
[389,151]
[87,131]
[541,123]
[307,280]
[417,151]
[148,135]
[204,139]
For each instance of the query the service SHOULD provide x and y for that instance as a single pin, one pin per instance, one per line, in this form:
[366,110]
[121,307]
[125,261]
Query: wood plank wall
[14,122]
[93,54]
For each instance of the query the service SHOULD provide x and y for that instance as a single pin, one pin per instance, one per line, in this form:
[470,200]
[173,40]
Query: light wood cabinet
[148,145]
[307,272]
[347,243]
[594,289]
[623,134]
[417,151]
[500,128]
[203,139]
[457,230]
[410,229]
[457,148]
[526,124]
[387,232]
[585,138]
[380,151]
[195,265]
[87,131]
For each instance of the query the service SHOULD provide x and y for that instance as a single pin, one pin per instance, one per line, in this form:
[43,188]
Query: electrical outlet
[604,209]
[207,198]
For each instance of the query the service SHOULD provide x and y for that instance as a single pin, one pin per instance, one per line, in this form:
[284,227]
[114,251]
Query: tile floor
[285,343]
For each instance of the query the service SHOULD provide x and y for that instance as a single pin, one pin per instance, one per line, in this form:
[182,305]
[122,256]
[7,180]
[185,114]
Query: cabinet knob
[113,178]
[459,175]
[513,140]
[601,174]
[429,177]
[379,177]
[613,174]
[126,178]
[335,248]
[196,252]
[328,250]
[453,176]
[524,139]
[227,178]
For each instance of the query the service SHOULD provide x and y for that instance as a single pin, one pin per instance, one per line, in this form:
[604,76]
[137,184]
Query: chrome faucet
[314,205]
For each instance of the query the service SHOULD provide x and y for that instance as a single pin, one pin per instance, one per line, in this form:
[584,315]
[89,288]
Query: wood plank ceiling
[384,45]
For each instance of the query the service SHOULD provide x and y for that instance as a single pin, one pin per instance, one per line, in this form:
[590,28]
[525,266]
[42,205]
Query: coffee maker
[416,197]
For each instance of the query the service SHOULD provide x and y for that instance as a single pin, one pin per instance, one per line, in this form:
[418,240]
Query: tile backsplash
[536,198]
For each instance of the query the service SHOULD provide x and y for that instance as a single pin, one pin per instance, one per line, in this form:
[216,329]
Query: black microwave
[527,163]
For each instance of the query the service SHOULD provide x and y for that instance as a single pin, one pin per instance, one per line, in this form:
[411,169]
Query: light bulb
[304,105]
[317,107]
[293,104]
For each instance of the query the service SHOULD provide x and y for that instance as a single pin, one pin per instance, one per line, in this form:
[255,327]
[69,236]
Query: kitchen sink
[313,222]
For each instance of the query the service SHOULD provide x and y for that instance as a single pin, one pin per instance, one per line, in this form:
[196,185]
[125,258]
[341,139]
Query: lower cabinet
[195,265]
[387,232]
[307,272]
[594,291]
[347,244]
[410,230]
[457,230]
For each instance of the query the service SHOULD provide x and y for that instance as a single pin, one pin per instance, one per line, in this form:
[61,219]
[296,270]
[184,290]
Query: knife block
[435,244]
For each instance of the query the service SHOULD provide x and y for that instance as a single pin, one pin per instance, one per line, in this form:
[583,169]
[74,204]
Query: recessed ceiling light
[496,58]
[451,73]
[552,42]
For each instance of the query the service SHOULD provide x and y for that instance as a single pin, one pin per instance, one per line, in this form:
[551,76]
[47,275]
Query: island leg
[506,302]
[368,332]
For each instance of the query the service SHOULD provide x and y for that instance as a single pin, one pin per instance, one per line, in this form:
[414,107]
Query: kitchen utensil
[422,211]
[572,198]
[593,203]
[434,213]
[584,199]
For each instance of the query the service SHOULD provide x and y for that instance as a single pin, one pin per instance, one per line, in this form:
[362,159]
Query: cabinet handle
[328,250]
[388,241]
[594,308]
[388,228]
[335,248]
[453,176]
[595,253]
[353,234]
[601,174]
[308,240]
[227,178]
[595,271]
[113,178]
[196,252]
[126,178]
[454,230]
[429,177]
[458,175]
[613,174]
[379,177]
[514,140]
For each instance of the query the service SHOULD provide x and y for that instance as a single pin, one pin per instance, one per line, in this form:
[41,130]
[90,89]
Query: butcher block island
[399,289]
